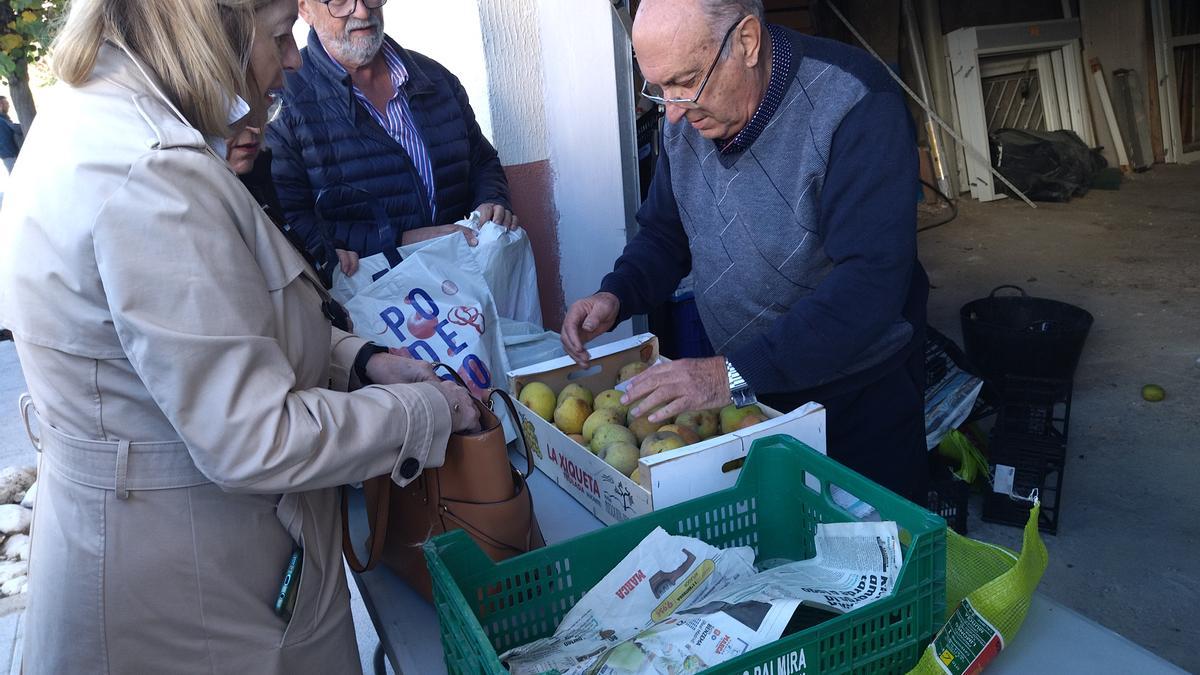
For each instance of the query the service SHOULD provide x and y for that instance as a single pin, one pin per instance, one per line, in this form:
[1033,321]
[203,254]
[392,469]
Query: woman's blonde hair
[198,49]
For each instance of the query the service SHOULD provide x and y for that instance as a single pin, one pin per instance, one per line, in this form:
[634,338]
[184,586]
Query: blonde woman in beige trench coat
[188,393]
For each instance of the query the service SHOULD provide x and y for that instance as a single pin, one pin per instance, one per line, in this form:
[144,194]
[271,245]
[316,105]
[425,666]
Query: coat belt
[122,466]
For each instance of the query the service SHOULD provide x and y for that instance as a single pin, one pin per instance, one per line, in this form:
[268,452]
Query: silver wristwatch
[740,392]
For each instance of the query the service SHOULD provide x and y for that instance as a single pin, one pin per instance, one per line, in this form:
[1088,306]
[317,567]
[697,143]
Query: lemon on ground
[1153,393]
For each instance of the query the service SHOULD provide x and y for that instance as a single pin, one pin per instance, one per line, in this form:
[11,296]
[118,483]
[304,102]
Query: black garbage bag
[1048,166]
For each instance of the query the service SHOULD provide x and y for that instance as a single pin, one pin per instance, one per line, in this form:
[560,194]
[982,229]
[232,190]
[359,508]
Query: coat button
[409,468]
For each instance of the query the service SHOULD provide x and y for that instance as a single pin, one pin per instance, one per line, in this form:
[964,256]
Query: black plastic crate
[947,496]
[1037,464]
[1034,408]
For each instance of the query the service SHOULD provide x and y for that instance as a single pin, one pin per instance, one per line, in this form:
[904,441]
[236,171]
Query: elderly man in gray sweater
[787,189]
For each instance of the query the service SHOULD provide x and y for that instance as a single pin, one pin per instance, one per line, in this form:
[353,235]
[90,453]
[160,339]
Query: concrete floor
[1126,552]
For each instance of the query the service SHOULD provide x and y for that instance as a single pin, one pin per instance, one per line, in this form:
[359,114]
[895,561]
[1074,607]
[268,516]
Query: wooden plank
[1155,118]
[1060,90]
[968,92]
[1049,89]
[1164,63]
[1109,116]
[1077,94]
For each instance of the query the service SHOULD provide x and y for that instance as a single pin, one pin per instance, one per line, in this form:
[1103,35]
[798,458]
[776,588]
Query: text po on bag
[434,306]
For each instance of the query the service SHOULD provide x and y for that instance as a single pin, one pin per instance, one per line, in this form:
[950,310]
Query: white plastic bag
[434,305]
[504,257]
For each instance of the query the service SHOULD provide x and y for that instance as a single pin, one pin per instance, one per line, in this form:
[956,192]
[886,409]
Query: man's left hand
[679,386]
[389,368]
[498,215]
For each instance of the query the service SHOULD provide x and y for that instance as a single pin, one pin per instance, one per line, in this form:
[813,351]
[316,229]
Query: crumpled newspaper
[678,605]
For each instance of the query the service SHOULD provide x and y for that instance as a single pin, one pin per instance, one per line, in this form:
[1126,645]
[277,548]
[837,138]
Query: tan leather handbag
[477,490]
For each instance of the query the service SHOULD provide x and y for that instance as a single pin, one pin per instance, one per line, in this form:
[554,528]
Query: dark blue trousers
[877,429]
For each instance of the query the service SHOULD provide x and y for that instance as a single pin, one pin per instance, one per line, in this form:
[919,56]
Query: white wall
[513,51]
[584,139]
[449,32]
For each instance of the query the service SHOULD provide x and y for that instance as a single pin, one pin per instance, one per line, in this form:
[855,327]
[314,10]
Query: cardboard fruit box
[667,478]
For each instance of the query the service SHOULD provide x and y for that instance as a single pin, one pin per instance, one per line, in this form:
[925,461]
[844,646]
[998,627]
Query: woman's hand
[427,233]
[389,368]
[464,416]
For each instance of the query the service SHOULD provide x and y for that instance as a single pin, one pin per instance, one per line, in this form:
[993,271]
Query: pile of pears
[606,428]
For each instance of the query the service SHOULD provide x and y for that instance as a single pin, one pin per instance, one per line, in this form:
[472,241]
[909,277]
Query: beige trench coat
[153,303]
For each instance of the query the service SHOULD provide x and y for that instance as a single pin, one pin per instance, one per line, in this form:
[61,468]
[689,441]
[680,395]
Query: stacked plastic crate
[1027,349]
[1028,450]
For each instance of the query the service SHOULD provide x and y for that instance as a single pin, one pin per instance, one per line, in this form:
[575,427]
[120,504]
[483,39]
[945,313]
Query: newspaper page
[949,402]
[658,577]
[710,618]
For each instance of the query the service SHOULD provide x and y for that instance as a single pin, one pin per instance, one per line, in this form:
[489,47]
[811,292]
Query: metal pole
[931,129]
[929,13]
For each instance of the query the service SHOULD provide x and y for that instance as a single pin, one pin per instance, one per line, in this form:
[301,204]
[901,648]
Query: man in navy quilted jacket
[377,146]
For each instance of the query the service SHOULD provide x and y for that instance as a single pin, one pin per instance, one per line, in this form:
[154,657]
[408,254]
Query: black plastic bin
[1023,336]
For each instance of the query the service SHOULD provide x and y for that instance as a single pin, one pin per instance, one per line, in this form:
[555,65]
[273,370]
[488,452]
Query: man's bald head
[696,16]
[677,47]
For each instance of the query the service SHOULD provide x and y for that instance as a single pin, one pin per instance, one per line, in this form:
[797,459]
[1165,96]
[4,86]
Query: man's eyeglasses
[655,93]
[340,9]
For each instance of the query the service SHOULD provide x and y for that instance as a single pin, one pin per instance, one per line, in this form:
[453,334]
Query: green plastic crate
[486,608]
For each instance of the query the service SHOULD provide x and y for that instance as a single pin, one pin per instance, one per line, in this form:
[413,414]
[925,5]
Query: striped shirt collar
[781,73]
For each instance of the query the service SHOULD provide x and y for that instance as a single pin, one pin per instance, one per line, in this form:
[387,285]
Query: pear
[705,422]
[575,391]
[642,426]
[611,398]
[597,418]
[750,420]
[661,441]
[687,433]
[629,370]
[571,414]
[732,415]
[621,456]
[539,398]
[607,434]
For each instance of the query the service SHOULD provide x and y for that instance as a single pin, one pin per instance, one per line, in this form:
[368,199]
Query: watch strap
[360,362]
[739,391]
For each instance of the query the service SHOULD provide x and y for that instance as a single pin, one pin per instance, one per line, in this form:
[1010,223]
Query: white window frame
[1168,99]
[1060,69]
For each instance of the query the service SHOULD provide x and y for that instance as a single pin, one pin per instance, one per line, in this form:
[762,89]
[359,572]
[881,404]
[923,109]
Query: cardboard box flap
[705,467]
[607,360]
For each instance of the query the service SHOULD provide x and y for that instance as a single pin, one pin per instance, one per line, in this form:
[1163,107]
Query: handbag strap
[453,373]
[381,488]
[508,404]
[516,420]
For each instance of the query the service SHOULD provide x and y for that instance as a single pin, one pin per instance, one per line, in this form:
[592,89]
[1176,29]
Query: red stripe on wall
[532,189]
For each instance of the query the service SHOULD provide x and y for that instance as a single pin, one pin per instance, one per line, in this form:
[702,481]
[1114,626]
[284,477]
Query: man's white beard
[355,53]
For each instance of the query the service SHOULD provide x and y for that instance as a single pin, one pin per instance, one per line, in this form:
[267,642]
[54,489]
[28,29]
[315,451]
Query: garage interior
[1123,554]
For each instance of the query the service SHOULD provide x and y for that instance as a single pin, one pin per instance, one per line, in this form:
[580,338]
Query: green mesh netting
[989,589]
[959,449]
